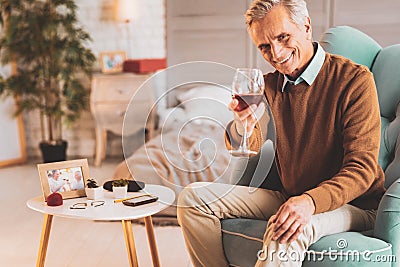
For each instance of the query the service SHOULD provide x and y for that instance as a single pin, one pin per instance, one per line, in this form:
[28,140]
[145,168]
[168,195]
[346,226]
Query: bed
[190,145]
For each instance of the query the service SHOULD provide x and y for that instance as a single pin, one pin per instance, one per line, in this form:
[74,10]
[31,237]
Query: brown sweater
[327,136]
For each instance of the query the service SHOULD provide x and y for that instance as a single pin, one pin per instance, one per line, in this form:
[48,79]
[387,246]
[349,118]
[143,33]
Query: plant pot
[120,191]
[53,152]
[94,193]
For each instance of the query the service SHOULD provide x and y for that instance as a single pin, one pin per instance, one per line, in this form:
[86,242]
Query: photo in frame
[112,62]
[65,177]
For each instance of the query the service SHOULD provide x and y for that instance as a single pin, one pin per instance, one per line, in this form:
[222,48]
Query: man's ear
[308,28]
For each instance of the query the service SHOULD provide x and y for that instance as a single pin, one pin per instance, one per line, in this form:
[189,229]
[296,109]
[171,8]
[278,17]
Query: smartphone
[140,201]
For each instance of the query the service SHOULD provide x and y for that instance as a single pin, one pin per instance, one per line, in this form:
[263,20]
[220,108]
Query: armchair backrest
[385,65]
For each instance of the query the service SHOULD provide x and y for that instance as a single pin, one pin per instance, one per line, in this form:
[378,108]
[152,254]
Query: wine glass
[248,89]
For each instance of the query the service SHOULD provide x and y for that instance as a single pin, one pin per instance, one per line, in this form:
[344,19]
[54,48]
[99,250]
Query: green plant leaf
[50,48]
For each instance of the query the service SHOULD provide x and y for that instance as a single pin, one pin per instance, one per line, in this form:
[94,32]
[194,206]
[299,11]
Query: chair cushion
[384,148]
[385,157]
[242,239]
[386,74]
[387,224]
[390,148]
[358,46]
[349,249]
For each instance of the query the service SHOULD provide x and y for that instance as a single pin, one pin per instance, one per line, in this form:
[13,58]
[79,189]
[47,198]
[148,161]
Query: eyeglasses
[83,205]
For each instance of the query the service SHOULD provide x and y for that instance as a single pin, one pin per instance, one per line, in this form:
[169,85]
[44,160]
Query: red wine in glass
[245,100]
[248,89]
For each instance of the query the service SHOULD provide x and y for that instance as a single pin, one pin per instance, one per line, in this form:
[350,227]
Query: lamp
[125,14]
[126,9]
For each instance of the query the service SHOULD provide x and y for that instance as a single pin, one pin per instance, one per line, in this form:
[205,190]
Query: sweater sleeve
[360,130]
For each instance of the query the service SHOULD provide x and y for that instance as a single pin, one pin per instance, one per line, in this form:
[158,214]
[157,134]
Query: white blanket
[190,147]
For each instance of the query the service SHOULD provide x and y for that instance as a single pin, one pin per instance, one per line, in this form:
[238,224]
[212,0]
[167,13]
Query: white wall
[146,31]
[147,40]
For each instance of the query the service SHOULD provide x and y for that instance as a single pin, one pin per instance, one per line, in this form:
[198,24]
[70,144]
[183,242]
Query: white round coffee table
[109,211]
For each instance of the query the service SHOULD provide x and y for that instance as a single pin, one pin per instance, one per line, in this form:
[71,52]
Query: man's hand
[291,218]
[251,114]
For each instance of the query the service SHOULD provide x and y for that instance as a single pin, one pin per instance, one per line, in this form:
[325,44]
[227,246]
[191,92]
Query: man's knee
[189,195]
[187,200]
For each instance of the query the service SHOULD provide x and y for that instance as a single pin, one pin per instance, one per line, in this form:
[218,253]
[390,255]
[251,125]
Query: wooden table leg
[152,241]
[104,149]
[44,240]
[130,243]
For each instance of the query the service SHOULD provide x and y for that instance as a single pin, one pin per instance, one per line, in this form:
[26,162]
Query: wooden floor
[73,243]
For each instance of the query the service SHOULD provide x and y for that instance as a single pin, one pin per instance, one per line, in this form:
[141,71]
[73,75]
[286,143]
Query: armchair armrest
[253,171]
[387,225]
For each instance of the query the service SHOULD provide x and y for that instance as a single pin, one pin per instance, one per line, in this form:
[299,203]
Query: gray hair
[297,10]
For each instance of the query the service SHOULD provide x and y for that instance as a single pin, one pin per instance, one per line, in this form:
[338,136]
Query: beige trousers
[201,206]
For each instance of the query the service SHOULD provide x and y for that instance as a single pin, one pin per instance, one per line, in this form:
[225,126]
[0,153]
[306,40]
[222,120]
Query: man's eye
[264,48]
[282,37]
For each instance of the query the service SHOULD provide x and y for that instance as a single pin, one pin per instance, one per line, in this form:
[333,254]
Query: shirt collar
[312,70]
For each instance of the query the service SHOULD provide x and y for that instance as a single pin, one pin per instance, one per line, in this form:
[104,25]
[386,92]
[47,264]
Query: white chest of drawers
[109,99]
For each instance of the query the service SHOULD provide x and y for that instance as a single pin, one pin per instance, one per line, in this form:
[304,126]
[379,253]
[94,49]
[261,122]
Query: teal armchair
[242,238]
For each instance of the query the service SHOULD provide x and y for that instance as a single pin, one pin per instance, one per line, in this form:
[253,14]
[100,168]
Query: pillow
[171,118]
[207,104]
[220,93]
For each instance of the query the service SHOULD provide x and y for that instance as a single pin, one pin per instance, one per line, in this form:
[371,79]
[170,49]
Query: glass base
[242,153]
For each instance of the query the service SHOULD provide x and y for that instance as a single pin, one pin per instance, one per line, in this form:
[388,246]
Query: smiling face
[285,45]
[56,174]
[78,176]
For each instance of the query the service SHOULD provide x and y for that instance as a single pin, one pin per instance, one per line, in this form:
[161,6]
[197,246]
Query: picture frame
[62,177]
[112,62]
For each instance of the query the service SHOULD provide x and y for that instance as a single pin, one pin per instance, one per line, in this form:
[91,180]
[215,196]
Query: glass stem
[243,145]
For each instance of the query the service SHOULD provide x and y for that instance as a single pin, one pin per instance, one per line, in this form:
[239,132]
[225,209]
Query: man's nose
[277,52]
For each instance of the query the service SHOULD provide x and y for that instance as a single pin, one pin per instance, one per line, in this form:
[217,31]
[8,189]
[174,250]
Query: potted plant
[47,51]
[120,188]
[93,190]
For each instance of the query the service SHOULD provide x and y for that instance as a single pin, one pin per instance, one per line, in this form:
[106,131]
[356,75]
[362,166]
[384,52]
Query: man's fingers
[246,113]
[233,104]
[259,111]
[253,111]
[296,234]
[282,228]
[282,217]
[290,232]
[291,218]
[249,115]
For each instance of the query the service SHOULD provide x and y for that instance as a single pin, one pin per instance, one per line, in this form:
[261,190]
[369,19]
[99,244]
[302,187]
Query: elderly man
[56,183]
[77,183]
[327,122]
